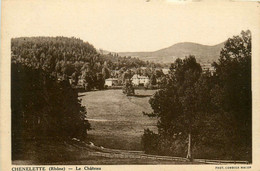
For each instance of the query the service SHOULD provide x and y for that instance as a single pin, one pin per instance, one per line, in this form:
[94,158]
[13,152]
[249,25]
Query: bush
[150,142]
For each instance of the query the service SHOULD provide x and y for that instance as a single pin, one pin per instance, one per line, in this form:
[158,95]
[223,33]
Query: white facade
[165,71]
[111,82]
[206,67]
[139,80]
[81,82]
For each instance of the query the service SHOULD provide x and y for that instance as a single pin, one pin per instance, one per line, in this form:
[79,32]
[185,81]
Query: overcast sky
[130,25]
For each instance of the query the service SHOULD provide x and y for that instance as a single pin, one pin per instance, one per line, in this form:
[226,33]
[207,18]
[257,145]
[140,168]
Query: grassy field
[116,119]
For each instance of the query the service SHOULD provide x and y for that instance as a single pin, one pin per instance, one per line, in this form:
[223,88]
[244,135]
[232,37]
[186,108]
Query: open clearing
[117,120]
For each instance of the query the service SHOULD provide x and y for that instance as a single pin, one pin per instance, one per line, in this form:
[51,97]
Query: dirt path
[77,152]
[131,156]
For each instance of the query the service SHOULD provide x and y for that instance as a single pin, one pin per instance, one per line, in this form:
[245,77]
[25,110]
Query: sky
[136,25]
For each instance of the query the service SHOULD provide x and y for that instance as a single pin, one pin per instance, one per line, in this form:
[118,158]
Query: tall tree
[105,72]
[175,104]
[232,94]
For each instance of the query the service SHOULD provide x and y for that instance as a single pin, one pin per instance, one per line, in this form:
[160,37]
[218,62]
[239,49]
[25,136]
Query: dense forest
[65,58]
[204,114]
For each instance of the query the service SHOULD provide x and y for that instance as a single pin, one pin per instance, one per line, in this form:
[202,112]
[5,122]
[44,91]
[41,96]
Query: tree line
[65,58]
[203,114]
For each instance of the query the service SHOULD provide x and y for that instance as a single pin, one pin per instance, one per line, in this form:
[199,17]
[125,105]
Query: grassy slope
[116,119]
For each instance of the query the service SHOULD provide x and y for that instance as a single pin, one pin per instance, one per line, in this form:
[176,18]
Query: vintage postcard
[129,85]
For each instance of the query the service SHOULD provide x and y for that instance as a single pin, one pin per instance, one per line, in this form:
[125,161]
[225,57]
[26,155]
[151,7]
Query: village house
[165,71]
[81,82]
[139,80]
[207,67]
[111,82]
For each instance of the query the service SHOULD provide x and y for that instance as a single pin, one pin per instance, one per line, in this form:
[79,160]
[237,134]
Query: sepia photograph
[143,82]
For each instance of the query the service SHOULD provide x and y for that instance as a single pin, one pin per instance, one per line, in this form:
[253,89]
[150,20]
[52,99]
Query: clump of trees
[43,108]
[202,114]
[156,78]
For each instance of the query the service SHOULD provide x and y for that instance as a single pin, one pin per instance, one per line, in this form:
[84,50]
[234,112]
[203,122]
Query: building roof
[139,77]
[165,70]
[207,67]
[112,79]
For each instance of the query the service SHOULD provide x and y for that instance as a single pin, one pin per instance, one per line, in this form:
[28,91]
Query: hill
[64,57]
[203,53]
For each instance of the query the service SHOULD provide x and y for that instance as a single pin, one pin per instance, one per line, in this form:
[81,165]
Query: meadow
[117,120]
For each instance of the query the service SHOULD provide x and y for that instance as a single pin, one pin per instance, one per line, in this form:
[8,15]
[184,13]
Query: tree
[234,103]
[75,78]
[127,75]
[153,80]
[174,105]
[159,73]
[89,80]
[105,73]
[128,88]
[233,72]
[100,82]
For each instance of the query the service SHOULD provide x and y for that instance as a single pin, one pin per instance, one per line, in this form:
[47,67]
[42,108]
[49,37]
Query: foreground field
[116,119]
[75,152]
[78,153]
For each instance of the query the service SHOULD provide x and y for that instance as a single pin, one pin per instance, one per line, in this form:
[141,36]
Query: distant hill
[203,53]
